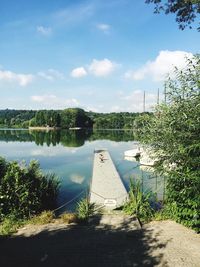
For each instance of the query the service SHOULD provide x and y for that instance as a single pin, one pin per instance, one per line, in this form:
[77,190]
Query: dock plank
[106,188]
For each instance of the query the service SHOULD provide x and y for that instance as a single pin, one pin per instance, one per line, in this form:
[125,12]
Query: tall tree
[173,133]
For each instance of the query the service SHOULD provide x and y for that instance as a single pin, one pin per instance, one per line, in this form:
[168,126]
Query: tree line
[67,118]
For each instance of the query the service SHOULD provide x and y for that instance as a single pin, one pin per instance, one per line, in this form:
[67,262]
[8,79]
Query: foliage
[67,118]
[24,190]
[173,133]
[139,202]
[9,225]
[85,209]
[50,118]
[186,10]
[141,125]
[75,117]
[121,120]
[44,218]
[16,118]
[164,213]
[68,218]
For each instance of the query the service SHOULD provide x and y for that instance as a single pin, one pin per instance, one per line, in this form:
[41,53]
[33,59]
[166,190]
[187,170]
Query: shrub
[139,202]
[25,190]
[173,133]
[10,225]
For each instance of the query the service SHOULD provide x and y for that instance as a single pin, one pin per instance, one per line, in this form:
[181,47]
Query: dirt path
[182,244]
[106,241]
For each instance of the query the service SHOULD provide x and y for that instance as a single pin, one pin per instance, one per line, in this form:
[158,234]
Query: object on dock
[107,189]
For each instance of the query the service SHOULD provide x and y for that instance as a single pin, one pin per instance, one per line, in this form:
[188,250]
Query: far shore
[44,128]
[52,128]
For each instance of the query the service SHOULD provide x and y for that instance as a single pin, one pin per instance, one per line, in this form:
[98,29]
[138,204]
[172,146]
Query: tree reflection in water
[68,138]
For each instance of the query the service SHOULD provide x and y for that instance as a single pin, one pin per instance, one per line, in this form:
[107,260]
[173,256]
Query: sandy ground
[181,246]
[106,241]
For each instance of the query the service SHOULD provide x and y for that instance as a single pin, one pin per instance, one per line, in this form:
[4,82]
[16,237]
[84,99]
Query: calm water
[69,154]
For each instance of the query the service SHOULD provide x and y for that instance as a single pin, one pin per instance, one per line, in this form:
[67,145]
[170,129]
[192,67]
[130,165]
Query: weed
[139,202]
[68,218]
[85,209]
[44,218]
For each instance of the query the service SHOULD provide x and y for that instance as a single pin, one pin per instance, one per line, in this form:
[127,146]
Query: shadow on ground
[82,245]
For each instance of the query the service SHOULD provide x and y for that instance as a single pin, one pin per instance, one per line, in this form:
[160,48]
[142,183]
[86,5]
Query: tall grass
[139,203]
[84,209]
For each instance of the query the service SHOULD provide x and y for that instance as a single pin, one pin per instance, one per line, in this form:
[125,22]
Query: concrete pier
[106,189]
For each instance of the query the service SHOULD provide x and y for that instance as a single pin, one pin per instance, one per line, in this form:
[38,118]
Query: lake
[69,154]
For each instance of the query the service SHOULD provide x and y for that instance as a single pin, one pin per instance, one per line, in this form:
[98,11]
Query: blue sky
[97,55]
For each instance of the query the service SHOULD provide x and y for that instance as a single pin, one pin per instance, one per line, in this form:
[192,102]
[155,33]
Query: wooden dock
[106,189]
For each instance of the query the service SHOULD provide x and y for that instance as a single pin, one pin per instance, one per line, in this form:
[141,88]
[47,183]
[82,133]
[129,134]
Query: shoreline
[44,128]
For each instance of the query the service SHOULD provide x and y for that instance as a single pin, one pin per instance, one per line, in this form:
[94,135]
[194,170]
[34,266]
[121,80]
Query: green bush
[25,190]
[10,225]
[173,134]
[183,198]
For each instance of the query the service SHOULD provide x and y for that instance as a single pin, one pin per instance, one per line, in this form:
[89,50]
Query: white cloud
[21,79]
[52,101]
[105,28]
[163,64]
[46,31]
[102,67]
[43,98]
[98,68]
[78,72]
[74,14]
[134,101]
[51,75]
[93,108]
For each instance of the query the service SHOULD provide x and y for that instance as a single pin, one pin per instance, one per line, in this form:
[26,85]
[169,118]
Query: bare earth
[181,246]
[109,240]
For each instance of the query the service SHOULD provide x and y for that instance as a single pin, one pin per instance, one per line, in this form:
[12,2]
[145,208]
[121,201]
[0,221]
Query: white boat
[133,159]
[142,153]
[133,152]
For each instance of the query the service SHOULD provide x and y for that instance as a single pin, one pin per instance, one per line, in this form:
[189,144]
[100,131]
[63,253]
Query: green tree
[173,133]
[32,122]
[75,117]
[186,10]
[40,118]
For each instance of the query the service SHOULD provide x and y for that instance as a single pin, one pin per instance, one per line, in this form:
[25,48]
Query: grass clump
[139,203]
[85,209]
[44,218]
[68,218]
